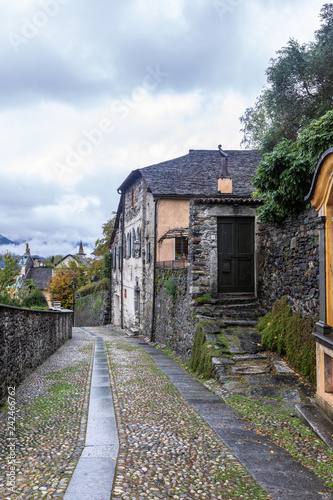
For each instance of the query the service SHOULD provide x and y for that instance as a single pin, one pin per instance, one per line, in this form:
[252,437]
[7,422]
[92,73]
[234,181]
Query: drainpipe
[152,333]
[122,264]
[110,301]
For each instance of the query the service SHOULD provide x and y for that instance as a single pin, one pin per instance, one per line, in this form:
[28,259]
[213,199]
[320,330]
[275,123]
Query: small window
[133,240]
[124,245]
[129,245]
[132,197]
[181,248]
[148,252]
[137,303]
[328,373]
[138,237]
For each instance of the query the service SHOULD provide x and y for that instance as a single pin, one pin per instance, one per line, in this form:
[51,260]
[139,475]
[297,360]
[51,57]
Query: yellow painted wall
[325,399]
[172,214]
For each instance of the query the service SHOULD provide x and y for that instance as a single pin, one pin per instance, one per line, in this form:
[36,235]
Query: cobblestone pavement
[49,427]
[166,448]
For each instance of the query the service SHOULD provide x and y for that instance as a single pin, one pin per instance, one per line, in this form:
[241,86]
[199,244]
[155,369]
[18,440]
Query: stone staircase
[234,309]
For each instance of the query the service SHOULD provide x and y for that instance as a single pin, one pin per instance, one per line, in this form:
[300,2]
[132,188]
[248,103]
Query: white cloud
[89,64]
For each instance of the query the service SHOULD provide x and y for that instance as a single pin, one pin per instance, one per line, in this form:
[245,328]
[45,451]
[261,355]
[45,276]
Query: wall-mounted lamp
[137,247]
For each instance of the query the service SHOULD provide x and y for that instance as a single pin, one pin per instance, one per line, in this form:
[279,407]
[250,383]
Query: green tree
[34,299]
[284,176]
[300,89]
[102,245]
[9,272]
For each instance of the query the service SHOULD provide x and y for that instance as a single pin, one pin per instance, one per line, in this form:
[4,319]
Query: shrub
[170,287]
[5,299]
[290,334]
[92,288]
[35,299]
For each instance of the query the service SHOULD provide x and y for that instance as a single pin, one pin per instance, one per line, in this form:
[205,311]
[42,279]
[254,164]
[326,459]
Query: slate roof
[41,275]
[197,173]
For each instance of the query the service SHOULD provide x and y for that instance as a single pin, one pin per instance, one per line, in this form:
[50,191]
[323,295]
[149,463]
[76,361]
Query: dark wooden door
[235,254]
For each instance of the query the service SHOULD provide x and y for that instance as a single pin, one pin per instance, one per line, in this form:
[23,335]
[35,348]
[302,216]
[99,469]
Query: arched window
[138,237]
[129,245]
[124,246]
[133,240]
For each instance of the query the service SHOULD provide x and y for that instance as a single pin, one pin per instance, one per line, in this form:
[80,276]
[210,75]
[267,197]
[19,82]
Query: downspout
[110,301]
[122,264]
[152,333]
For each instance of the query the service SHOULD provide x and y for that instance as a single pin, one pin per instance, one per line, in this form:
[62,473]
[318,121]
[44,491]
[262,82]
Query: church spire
[81,252]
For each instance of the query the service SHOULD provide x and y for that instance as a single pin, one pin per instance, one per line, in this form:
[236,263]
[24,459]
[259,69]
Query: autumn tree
[61,285]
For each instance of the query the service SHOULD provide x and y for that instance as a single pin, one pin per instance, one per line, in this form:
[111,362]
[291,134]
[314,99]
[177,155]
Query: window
[133,240]
[181,248]
[129,245]
[148,252]
[138,237]
[113,258]
[119,258]
[124,245]
[137,303]
[132,197]
[328,373]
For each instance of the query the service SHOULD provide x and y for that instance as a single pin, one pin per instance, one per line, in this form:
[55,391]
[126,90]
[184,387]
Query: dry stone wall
[92,310]
[174,316]
[288,263]
[27,339]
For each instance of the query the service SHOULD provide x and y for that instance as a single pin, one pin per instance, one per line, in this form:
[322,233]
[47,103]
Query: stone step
[239,322]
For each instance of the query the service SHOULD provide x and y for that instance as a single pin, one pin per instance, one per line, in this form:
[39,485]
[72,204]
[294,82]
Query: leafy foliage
[61,285]
[35,299]
[9,272]
[102,244]
[92,288]
[290,334]
[284,176]
[300,89]
[7,300]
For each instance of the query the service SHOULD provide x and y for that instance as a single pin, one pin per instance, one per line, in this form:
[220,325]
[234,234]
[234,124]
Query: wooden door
[235,254]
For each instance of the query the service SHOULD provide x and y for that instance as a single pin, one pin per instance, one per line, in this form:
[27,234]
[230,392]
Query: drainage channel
[94,474]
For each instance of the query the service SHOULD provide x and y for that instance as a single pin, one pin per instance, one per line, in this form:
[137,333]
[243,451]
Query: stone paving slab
[276,471]
[94,474]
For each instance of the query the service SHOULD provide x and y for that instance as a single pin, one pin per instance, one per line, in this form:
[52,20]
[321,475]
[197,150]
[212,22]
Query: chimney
[224,184]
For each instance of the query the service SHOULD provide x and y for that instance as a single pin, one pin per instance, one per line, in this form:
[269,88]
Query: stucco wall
[172,214]
[288,263]
[27,339]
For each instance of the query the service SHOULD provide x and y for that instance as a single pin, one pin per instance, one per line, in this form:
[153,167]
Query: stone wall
[92,310]
[174,315]
[288,263]
[27,339]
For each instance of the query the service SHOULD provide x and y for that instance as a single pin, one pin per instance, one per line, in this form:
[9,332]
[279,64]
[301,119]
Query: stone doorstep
[315,418]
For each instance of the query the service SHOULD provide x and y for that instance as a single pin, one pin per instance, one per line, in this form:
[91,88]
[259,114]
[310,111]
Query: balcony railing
[172,264]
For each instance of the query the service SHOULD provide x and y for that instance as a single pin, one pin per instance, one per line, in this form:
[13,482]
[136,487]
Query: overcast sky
[93,90]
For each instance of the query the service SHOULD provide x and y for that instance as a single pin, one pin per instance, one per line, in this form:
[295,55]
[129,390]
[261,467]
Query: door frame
[241,289]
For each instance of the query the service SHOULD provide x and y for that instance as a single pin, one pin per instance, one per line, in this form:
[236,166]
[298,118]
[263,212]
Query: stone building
[32,268]
[201,199]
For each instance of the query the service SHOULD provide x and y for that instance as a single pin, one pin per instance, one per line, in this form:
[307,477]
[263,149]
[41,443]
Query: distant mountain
[6,241]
